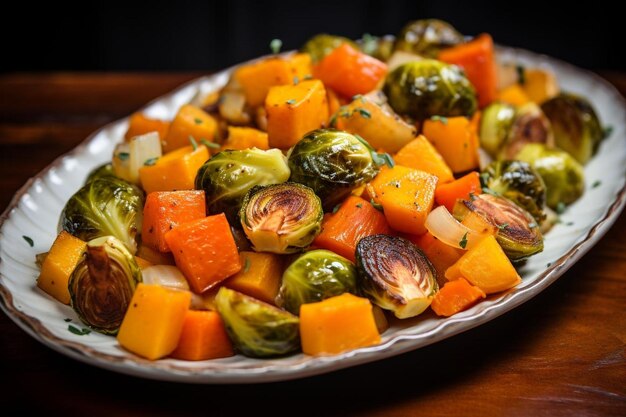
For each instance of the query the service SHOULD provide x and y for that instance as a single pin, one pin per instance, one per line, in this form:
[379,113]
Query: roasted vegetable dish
[319,193]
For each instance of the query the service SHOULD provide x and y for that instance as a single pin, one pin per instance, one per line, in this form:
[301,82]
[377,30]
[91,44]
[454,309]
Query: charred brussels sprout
[281,218]
[395,275]
[106,206]
[227,177]
[517,231]
[379,47]
[529,126]
[105,170]
[563,176]
[257,329]
[495,125]
[576,127]
[332,163]
[520,183]
[315,276]
[103,284]
[430,88]
[323,44]
[427,37]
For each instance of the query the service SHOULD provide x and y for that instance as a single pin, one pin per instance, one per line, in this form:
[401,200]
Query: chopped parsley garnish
[296,80]
[193,142]
[307,77]
[376,205]
[28,240]
[210,145]
[441,119]
[359,205]
[365,114]
[463,241]
[336,208]
[151,161]
[197,121]
[607,131]
[123,156]
[596,184]
[291,101]
[246,265]
[560,208]
[77,331]
[275,45]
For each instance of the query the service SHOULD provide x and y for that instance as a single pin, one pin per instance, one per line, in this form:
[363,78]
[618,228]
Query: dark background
[209,35]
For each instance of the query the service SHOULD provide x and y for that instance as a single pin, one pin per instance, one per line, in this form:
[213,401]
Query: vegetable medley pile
[319,192]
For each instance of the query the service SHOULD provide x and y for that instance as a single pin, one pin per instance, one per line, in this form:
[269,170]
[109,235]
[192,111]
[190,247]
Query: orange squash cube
[139,124]
[203,337]
[191,121]
[64,255]
[456,140]
[259,277]
[421,154]
[245,138]
[174,171]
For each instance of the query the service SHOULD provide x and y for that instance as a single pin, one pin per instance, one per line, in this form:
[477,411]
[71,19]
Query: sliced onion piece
[166,276]
[442,225]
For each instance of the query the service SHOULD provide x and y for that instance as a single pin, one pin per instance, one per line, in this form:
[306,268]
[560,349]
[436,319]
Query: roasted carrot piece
[350,72]
[447,194]
[455,138]
[477,58]
[355,219]
[164,210]
[421,154]
[139,124]
[456,296]
[205,251]
[203,337]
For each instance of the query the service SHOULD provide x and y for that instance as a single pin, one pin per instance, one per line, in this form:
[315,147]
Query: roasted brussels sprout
[103,284]
[395,275]
[106,206]
[520,183]
[576,127]
[315,276]
[426,88]
[517,231]
[427,37]
[281,218]
[563,176]
[379,47]
[495,125]
[227,177]
[529,126]
[323,44]
[257,329]
[332,163]
[105,170]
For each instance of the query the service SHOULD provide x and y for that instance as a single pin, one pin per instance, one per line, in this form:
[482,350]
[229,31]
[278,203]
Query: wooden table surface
[561,354]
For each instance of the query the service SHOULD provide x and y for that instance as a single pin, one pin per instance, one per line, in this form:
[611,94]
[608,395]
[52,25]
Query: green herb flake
[307,77]
[151,161]
[275,45]
[246,265]
[197,121]
[67,320]
[364,113]
[376,205]
[607,131]
[123,156]
[441,119]
[560,208]
[193,142]
[596,184]
[28,240]
[77,331]
[472,196]
[463,241]
[521,74]
[359,205]
[336,208]
[210,145]
[333,120]
[296,80]
[549,264]
[291,101]
[503,226]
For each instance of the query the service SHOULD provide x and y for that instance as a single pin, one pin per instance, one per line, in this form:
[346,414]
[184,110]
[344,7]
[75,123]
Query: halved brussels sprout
[378,47]
[395,275]
[332,163]
[495,125]
[227,177]
[426,88]
[529,126]
[517,231]
[520,183]
[105,170]
[577,129]
[103,284]
[323,44]
[281,218]
[106,206]
[257,329]
[427,37]
[315,276]
[563,175]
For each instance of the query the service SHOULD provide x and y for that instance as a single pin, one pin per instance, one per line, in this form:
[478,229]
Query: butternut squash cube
[245,138]
[139,124]
[514,95]
[175,170]
[257,78]
[407,196]
[421,154]
[190,121]
[64,255]
[456,140]
[485,266]
[293,110]
[154,321]
[259,277]
[337,324]
[203,337]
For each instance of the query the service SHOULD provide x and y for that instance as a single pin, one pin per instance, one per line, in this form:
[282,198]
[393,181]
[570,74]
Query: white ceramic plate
[35,210]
